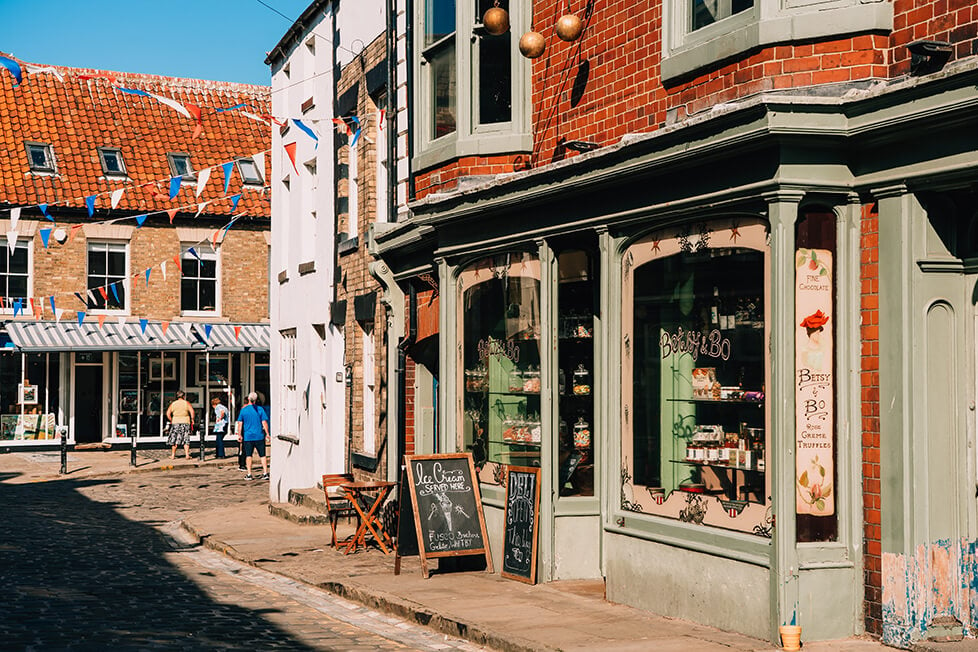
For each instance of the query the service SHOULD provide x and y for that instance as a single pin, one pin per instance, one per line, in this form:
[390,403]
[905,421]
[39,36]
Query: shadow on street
[75,574]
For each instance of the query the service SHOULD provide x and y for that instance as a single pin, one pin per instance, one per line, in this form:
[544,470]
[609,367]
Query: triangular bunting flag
[207,331]
[81,298]
[116,196]
[73,231]
[18,307]
[142,325]
[53,309]
[101,321]
[14,69]
[58,314]
[45,236]
[237,332]
[290,150]
[176,261]
[307,130]
[121,319]
[115,291]
[90,204]
[148,272]
[234,202]
[200,208]
[228,168]
[341,123]
[173,104]
[380,119]
[163,269]
[356,134]
[44,211]
[193,252]
[14,216]
[202,178]
[81,317]
[33,309]
[140,219]
[259,160]
[105,295]
[91,298]
[175,186]
[11,241]
[164,325]
[195,112]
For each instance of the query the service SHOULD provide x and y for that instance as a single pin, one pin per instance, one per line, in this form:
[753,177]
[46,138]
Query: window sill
[348,246]
[365,461]
[702,51]
[481,144]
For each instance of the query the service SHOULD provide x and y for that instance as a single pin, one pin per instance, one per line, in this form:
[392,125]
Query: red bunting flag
[105,295]
[101,320]
[237,332]
[164,325]
[172,212]
[74,230]
[290,150]
[176,261]
[33,309]
[195,112]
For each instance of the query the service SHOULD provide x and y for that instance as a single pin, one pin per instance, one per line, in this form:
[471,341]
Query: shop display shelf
[717,465]
[716,400]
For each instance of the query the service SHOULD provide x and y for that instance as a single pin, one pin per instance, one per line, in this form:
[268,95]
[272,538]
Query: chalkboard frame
[535,472]
[473,481]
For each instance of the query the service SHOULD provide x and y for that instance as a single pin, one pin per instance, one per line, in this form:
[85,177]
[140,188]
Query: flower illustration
[815,321]
[812,488]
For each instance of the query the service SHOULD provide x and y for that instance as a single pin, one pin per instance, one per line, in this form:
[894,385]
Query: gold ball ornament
[496,21]
[532,45]
[569,27]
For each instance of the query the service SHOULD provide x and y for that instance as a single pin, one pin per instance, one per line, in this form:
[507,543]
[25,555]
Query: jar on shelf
[582,381]
[561,382]
[582,433]
[531,380]
[535,429]
[582,327]
[516,380]
[510,430]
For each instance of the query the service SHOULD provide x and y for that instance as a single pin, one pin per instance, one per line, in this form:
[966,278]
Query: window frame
[685,51]
[109,245]
[24,244]
[48,150]
[289,413]
[469,138]
[173,157]
[257,180]
[122,172]
[186,258]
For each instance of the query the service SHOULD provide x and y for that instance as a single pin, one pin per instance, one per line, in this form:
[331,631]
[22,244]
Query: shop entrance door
[88,404]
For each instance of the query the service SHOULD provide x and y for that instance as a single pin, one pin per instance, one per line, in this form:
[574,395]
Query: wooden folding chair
[337,503]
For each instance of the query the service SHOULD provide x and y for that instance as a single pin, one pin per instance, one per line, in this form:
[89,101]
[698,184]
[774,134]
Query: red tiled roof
[85,112]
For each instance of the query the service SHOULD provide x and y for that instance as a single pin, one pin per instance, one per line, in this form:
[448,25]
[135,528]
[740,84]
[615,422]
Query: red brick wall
[870,400]
[622,91]
[409,429]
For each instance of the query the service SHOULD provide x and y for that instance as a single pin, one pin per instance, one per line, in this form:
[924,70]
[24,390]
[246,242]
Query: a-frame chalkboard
[447,505]
[521,523]
[407,538]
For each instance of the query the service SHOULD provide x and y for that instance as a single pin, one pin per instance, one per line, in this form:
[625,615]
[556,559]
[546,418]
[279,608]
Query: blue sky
[223,40]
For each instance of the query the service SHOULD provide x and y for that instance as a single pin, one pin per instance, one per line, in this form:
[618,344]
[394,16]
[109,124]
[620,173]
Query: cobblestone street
[100,563]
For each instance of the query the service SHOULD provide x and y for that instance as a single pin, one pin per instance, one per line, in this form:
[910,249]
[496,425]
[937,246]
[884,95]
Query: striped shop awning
[70,336]
[252,338]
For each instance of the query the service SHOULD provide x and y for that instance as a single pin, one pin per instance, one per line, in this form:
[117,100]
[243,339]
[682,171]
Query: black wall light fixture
[928,56]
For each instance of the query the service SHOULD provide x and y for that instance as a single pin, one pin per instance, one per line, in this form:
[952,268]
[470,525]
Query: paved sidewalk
[483,608]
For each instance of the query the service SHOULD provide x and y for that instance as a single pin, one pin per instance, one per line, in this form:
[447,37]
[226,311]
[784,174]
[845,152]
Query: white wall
[303,301]
[359,23]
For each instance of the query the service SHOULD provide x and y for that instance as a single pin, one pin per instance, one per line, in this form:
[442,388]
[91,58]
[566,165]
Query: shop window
[29,395]
[575,373]
[369,391]
[15,274]
[198,281]
[816,479]
[500,324]
[107,275]
[694,373]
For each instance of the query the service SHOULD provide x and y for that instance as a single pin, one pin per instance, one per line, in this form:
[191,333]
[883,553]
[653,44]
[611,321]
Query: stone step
[298,514]
[311,498]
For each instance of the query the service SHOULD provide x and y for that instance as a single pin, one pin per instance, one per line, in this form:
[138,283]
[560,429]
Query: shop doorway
[88,404]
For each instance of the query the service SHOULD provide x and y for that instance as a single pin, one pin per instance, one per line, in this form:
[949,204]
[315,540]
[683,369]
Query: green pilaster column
[448,347]
[782,214]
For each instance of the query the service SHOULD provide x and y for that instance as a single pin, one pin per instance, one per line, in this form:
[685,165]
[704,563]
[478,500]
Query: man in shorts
[252,429]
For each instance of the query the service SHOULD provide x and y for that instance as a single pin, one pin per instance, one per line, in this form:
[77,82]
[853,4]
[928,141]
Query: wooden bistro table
[359,494]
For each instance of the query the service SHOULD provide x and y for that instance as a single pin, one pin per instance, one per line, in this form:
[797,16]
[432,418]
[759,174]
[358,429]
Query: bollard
[63,432]
[200,431]
[132,445]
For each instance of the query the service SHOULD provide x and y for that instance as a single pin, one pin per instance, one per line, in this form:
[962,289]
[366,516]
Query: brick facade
[870,401]
[354,276]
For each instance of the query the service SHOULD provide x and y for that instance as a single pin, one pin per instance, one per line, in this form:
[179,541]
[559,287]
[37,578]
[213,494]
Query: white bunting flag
[173,104]
[122,320]
[14,216]
[58,312]
[116,196]
[11,241]
[91,298]
[163,269]
[200,207]
[202,177]
[38,69]
[259,160]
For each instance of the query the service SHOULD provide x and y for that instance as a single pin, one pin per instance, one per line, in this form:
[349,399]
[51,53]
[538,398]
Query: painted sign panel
[522,521]
[814,384]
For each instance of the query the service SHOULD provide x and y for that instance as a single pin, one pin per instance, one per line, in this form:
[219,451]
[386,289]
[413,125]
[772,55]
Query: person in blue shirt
[252,429]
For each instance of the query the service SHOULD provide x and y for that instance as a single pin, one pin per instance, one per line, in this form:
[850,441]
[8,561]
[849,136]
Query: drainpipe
[402,347]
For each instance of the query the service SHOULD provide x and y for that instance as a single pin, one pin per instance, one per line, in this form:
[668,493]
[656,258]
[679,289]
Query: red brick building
[696,227]
[145,272]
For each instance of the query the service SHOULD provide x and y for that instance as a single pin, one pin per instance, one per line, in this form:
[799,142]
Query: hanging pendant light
[569,27]
[495,20]
[532,45]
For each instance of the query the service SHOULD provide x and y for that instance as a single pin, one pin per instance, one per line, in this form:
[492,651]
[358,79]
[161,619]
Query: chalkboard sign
[407,537]
[447,507]
[522,519]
